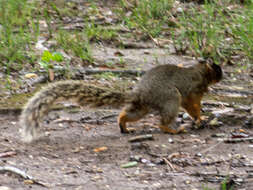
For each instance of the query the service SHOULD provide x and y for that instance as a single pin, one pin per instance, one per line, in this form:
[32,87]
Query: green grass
[147,16]
[223,185]
[217,30]
[204,31]
[243,30]
[96,33]
[20,29]
[76,44]
[16,33]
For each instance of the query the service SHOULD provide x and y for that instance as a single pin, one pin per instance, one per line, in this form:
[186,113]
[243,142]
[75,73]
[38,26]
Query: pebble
[185,116]
[199,154]
[157,185]
[180,10]
[214,122]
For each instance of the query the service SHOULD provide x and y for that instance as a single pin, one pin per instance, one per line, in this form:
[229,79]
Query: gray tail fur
[84,94]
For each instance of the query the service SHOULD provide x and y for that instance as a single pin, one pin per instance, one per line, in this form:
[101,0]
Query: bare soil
[68,157]
[199,159]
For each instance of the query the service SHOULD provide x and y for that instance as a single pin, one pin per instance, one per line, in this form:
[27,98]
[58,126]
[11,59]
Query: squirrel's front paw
[130,130]
[127,130]
[200,123]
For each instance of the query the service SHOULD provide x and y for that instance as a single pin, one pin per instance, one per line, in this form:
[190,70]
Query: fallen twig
[109,116]
[236,140]
[15,170]
[11,111]
[66,120]
[210,148]
[133,45]
[7,154]
[169,164]
[20,173]
[141,138]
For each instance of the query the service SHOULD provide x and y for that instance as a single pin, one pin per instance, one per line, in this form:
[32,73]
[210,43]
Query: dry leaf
[31,75]
[28,182]
[242,131]
[100,149]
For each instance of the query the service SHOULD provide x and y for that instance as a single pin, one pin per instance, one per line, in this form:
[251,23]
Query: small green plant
[48,59]
[109,64]
[122,61]
[227,185]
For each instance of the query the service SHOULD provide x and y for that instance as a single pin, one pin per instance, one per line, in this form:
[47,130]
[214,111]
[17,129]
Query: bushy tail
[84,94]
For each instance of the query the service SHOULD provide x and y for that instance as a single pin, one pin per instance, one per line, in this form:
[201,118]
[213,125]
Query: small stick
[15,170]
[141,138]
[20,173]
[7,154]
[108,116]
[66,120]
[210,148]
[169,164]
[236,140]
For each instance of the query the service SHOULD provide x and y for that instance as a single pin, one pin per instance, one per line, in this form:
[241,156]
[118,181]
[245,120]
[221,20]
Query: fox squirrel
[164,88]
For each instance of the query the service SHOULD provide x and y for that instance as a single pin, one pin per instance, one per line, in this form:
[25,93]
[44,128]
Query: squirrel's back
[155,86]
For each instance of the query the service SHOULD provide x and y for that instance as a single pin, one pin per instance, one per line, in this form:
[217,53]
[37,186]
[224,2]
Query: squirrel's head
[213,71]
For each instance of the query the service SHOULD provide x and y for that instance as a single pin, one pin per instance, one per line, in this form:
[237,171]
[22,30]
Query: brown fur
[164,88]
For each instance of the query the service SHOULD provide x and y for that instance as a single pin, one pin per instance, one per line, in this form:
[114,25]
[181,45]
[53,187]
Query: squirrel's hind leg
[130,113]
[169,112]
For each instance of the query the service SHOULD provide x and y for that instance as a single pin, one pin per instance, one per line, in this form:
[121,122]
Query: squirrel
[164,88]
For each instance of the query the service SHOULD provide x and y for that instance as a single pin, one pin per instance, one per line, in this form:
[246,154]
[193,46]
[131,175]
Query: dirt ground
[84,149]
[68,156]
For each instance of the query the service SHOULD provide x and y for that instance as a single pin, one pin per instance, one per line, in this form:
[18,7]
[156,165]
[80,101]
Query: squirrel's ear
[202,60]
[217,70]
[207,61]
[214,68]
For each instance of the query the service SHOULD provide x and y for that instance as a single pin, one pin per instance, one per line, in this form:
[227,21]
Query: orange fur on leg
[167,129]
[193,106]
[130,114]
[122,122]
